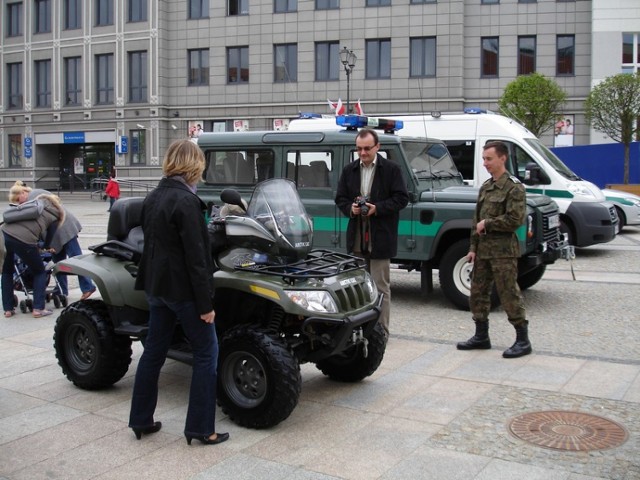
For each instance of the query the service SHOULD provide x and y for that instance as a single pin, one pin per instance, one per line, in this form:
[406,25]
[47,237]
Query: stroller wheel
[63,300]
[56,301]
[29,304]
[23,306]
[49,297]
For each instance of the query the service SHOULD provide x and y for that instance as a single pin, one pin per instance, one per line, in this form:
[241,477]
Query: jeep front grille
[549,234]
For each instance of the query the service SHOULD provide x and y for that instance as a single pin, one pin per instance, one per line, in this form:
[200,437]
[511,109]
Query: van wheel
[621,220]
[89,352]
[455,276]
[566,228]
[259,379]
[532,277]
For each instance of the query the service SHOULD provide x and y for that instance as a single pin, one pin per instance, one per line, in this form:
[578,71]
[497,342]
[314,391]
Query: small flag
[358,108]
[337,107]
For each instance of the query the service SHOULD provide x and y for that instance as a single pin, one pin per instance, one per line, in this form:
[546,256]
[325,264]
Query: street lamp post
[348,59]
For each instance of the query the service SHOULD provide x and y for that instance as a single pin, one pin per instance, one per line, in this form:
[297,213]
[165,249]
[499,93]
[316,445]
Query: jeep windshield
[429,159]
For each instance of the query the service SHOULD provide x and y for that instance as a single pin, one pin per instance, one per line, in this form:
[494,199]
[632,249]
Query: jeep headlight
[371,288]
[313,300]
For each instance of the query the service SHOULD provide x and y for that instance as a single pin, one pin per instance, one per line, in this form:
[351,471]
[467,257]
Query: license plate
[554,221]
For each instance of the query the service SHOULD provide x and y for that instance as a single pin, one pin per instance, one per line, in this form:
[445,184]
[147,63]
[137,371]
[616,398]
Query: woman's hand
[208,317]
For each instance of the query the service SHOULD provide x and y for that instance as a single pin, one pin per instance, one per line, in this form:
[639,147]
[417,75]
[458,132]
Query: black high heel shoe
[221,437]
[147,430]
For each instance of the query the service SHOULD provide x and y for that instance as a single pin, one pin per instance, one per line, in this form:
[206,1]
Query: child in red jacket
[112,191]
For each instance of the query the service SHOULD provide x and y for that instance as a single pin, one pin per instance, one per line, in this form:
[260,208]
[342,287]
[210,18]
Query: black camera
[362,203]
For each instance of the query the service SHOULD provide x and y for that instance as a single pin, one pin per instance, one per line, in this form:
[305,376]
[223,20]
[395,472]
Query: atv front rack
[319,263]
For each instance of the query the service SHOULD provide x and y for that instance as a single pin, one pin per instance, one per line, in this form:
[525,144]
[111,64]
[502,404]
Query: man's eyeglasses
[365,149]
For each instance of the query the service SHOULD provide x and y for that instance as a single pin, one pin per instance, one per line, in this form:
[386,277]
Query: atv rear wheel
[352,365]
[90,354]
[259,379]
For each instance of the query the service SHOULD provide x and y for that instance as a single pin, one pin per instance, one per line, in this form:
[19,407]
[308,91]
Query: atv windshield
[276,205]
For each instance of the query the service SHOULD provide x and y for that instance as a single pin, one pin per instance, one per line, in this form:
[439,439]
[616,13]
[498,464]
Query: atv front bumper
[341,331]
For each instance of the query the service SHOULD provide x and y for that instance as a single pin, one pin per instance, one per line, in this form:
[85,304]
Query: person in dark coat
[371,192]
[176,273]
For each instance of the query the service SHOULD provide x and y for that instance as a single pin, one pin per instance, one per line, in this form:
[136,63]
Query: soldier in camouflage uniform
[494,252]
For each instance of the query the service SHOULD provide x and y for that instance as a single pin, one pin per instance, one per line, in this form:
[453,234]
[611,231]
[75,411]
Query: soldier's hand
[480,228]
[471,256]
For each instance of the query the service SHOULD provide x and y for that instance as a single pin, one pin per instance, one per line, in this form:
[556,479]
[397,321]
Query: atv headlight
[313,300]
[371,288]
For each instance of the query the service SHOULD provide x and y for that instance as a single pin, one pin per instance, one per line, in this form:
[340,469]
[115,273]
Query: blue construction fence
[602,164]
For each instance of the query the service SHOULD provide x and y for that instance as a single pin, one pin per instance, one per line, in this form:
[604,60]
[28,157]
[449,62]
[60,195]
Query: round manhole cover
[571,431]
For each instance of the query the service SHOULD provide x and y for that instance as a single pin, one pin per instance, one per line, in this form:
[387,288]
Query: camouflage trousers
[504,273]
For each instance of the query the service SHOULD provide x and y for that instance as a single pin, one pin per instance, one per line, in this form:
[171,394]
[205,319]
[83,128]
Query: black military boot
[522,346]
[480,341]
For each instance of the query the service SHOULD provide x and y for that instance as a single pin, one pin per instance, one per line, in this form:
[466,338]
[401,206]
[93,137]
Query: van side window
[238,166]
[518,160]
[463,154]
[310,169]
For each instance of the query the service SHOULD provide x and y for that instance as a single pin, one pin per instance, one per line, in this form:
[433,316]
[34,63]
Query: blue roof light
[309,115]
[474,110]
[360,121]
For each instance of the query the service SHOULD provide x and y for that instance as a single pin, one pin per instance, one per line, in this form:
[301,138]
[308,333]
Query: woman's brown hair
[184,158]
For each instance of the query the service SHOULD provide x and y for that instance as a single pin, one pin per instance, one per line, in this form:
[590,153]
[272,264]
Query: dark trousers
[71,249]
[163,316]
[30,255]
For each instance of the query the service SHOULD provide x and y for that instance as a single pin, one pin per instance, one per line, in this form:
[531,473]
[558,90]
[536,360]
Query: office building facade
[94,84]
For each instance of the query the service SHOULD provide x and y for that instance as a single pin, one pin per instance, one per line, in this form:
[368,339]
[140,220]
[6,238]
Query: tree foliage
[613,107]
[533,100]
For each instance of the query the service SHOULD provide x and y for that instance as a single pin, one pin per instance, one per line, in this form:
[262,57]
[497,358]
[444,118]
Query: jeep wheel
[532,277]
[352,365]
[259,379]
[91,355]
[455,276]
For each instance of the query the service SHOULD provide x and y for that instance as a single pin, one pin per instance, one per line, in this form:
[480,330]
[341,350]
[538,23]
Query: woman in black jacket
[176,272]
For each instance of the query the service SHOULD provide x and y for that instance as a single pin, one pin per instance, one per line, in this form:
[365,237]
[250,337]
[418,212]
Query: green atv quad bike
[278,304]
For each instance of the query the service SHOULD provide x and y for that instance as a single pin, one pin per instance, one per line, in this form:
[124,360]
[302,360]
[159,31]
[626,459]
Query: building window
[566,52]
[423,57]
[527,1]
[327,4]
[14,85]
[72,12]
[198,67]
[630,52]
[73,80]
[285,63]
[137,10]
[327,61]
[238,7]
[283,6]
[526,55]
[104,12]
[237,65]
[138,77]
[138,147]
[417,2]
[104,79]
[15,150]
[378,3]
[489,57]
[43,83]
[42,16]
[490,2]
[14,19]
[378,58]
[198,9]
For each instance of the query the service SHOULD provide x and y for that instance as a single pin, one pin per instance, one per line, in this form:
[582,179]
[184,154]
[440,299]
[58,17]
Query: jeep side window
[310,169]
[238,166]
[463,154]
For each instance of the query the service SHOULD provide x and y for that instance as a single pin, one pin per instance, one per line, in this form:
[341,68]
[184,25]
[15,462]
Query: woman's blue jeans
[71,249]
[30,255]
[163,317]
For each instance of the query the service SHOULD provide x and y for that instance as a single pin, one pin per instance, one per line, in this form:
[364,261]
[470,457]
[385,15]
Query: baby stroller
[23,282]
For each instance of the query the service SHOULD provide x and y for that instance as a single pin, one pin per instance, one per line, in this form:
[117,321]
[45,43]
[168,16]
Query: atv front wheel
[352,365]
[89,352]
[259,379]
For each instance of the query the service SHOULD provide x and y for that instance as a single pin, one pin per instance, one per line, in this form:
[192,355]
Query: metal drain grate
[572,431]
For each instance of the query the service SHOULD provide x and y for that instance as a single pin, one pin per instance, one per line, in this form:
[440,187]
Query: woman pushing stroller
[21,238]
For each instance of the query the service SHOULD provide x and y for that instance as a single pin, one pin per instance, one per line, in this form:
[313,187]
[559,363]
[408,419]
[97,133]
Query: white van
[586,216]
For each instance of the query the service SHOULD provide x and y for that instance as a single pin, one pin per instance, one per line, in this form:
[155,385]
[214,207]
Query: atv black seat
[125,222]
[125,239]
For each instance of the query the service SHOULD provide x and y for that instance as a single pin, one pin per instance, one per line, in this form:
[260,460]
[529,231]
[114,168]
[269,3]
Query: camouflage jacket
[502,205]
